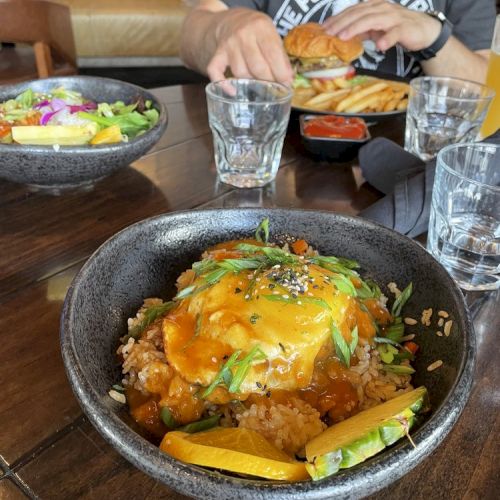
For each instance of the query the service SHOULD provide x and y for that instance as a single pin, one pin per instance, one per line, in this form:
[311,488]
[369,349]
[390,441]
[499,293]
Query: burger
[316,54]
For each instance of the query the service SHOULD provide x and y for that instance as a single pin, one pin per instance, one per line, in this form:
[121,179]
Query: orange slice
[234,449]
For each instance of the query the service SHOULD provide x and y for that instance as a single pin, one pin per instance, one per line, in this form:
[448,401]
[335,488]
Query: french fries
[366,96]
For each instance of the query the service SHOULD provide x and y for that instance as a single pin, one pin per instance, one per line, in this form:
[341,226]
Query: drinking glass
[464,226]
[443,111]
[492,122]
[248,119]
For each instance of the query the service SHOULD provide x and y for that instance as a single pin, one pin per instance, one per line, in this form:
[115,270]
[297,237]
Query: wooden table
[47,447]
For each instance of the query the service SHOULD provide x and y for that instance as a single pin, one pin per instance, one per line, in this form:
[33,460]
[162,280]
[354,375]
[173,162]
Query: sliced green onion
[344,285]
[341,347]
[201,425]
[244,365]
[150,315]
[262,231]
[385,340]
[224,374]
[399,369]
[305,300]
[237,265]
[395,332]
[168,419]
[401,300]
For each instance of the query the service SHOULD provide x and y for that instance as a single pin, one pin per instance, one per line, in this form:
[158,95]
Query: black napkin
[405,180]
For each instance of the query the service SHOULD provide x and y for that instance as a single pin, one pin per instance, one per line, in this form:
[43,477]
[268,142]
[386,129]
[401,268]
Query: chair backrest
[45,25]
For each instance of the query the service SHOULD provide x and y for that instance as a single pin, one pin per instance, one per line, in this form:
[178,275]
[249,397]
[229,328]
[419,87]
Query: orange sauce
[190,335]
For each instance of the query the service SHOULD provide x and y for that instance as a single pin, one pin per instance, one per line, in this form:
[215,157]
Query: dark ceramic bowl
[145,259]
[330,148]
[44,168]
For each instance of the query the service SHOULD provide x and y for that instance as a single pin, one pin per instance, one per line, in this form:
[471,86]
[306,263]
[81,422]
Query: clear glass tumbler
[248,119]
[464,226]
[443,111]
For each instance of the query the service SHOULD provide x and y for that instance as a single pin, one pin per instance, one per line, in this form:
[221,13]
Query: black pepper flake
[258,384]
[253,318]
[315,286]
[225,356]
[237,290]
[271,285]
[282,347]
[268,394]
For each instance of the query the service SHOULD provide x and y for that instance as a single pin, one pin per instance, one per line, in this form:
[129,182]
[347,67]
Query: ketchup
[336,127]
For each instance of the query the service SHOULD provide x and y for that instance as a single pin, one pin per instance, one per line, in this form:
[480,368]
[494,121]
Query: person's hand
[386,24]
[249,45]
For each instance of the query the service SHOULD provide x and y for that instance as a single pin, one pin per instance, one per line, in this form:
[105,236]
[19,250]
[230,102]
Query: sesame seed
[435,365]
[441,322]
[408,337]
[410,321]
[286,296]
[443,314]
[117,396]
[447,327]
[214,359]
[439,334]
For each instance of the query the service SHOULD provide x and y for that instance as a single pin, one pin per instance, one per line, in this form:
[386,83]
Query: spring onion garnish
[399,369]
[395,332]
[118,388]
[262,231]
[298,301]
[401,300]
[167,418]
[385,340]
[201,425]
[344,351]
[387,353]
[344,285]
[224,376]
[238,265]
[256,354]
[150,315]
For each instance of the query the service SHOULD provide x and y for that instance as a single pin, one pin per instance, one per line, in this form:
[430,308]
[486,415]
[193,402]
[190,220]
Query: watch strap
[438,44]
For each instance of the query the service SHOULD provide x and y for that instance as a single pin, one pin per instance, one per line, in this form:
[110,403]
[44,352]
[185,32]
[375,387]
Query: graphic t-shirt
[473,22]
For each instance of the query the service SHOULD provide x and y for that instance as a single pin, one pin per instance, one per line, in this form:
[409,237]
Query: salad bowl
[57,168]
[144,260]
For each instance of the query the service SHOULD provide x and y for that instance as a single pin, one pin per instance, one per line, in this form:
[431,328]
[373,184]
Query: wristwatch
[434,48]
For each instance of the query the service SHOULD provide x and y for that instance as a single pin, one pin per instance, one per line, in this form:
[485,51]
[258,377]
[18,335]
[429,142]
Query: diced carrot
[411,346]
[355,281]
[300,247]
[4,130]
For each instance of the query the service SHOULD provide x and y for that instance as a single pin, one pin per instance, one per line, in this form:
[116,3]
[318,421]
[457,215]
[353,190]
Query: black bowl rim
[350,483]
[87,149]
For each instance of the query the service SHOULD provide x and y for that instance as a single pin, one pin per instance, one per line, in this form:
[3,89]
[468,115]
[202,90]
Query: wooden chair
[45,28]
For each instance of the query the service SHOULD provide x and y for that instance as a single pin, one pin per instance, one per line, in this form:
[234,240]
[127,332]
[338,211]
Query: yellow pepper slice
[108,135]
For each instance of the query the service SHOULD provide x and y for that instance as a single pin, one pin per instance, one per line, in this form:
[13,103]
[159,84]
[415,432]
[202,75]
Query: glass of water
[248,119]
[464,227]
[443,111]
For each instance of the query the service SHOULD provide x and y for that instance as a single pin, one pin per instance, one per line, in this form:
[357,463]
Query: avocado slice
[357,438]
[45,135]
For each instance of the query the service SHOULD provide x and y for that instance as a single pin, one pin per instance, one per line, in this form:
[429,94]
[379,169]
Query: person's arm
[388,24]
[215,38]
